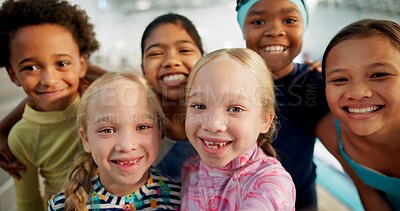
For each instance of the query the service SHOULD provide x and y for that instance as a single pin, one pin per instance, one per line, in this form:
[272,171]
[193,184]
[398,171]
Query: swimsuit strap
[372,178]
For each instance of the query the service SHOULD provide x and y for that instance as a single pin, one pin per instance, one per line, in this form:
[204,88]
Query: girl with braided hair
[120,134]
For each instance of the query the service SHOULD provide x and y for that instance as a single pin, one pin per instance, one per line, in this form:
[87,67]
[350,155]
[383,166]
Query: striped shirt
[159,193]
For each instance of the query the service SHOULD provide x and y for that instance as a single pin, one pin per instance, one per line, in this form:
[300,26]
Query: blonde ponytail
[79,182]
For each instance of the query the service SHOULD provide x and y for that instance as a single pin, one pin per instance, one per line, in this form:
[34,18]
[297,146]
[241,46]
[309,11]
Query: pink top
[253,181]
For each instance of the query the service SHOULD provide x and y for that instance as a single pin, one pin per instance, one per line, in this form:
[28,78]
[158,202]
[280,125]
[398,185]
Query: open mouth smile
[275,49]
[366,110]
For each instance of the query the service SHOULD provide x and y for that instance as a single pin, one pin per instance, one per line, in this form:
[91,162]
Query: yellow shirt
[46,143]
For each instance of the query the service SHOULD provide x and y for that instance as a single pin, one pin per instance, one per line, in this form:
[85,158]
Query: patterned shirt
[252,181]
[159,193]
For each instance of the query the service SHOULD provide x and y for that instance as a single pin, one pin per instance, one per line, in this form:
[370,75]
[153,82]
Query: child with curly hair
[44,46]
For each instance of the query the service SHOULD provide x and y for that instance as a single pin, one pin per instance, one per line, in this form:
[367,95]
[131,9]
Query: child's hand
[314,66]
[7,160]
[92,74]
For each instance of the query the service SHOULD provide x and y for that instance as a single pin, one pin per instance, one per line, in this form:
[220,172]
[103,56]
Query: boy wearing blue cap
[274,29]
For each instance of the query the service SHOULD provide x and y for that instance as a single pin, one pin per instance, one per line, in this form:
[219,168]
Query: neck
[284,71]
[385,141]
[122,189]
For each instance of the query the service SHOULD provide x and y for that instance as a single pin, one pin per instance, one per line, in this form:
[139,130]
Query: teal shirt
[388,185]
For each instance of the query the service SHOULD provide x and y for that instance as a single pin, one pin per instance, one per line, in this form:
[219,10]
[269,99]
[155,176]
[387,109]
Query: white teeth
[363,110]
[274,49]
[215,145]
[174,78]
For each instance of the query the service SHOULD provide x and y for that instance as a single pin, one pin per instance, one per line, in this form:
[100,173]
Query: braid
[79,182]
[265,143]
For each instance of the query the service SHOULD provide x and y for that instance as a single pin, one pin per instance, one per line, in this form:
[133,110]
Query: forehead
[370,48]
[273,7]
[168,33]
[224,73]
[44,38]
[35,32]
[124,93]
[366,53]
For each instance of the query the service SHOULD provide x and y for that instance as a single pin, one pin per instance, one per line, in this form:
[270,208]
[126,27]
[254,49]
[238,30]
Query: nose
[358,91]
[274,29]
[49,77]
[126,142]
[172,59]
[214,122]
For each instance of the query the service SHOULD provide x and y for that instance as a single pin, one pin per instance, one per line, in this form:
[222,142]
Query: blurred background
[119,25]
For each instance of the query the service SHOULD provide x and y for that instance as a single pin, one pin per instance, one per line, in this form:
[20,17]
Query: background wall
[120,34]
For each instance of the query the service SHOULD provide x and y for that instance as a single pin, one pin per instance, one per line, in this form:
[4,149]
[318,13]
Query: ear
[13,76]
[85,141]
[266,122]
[84,66]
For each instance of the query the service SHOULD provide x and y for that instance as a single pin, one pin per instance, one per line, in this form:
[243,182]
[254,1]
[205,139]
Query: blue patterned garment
[159,193]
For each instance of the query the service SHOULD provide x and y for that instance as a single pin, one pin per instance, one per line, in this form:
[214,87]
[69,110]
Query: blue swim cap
[243,8]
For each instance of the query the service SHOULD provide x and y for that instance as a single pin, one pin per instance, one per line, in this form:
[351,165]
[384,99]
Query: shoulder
[160,177]
[191,163]
[57,202]
[266,174]
[326,132]
[271,172]
[190,168]
[272,188]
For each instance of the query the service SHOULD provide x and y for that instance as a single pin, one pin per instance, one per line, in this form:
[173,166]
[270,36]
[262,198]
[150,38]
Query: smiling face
[122,135]
[169,55]
[224,119]
[362,81]
[45,61]
[274,29]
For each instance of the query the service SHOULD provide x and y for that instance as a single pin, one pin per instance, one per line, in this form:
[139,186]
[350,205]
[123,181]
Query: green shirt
[46,143]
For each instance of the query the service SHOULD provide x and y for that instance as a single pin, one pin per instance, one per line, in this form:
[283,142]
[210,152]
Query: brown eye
[142,127]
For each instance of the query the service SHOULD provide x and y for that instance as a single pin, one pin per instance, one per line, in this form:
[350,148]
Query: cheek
[151,67]
[332,97]
[152,145]
[190,62]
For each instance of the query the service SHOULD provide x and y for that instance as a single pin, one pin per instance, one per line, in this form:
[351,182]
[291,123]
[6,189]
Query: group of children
[253,132]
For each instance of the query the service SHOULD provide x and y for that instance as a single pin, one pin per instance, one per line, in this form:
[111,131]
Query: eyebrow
[194,94]
[379,64]
[334,71]
[112,117]
[161,45]
[32,58]
[237,96]
[372,65]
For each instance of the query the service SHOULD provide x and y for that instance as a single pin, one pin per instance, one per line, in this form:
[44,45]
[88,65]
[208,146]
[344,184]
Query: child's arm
[370,198]
[27,191]
[7,160]
[93,72]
